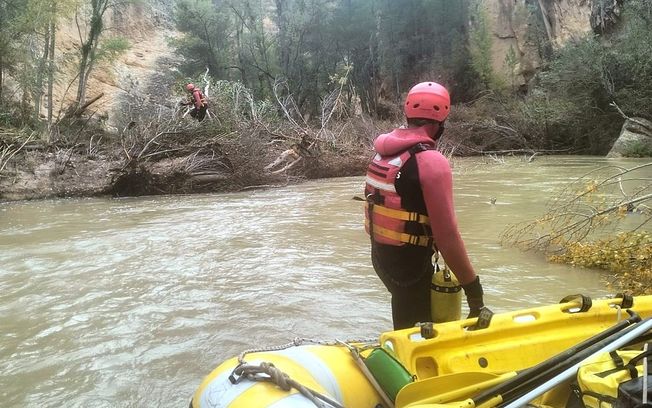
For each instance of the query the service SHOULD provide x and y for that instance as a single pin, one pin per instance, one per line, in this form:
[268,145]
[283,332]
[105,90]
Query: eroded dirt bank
[175,162]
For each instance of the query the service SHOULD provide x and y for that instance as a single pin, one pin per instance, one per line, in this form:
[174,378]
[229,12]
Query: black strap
[618,361]
[627,302]
[420,147]
[370,209]
[484,319]
[427,330]
[620,364]
[585,301]
[600,397]
[445,289]
[631,366]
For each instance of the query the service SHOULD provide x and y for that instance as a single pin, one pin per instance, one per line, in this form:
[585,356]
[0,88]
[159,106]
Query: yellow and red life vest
[388,218]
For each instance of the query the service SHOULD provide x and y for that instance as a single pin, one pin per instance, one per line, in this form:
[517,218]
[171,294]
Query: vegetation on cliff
[371,52]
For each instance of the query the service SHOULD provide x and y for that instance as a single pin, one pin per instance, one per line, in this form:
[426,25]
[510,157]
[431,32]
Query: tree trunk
[3,13]
[1,75]
[238,44]
[89,67]
[40,73]
[81,88]
[51,68]
[282,36]
[90,46]
[85,66]
[546,22]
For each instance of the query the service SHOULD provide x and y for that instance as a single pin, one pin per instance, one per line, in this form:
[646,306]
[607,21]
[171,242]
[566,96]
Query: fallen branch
[638,122]
[281,158]
[8,153]
[82,108]
[288,166]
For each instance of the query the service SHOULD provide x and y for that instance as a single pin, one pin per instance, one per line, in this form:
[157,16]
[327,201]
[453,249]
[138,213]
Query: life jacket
[388,219]
[198,98]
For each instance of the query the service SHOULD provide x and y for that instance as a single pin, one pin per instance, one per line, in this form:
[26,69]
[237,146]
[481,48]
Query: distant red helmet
[427,100]
[190,87]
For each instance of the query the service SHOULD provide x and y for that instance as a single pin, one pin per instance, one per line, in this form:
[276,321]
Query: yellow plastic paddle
[448,387]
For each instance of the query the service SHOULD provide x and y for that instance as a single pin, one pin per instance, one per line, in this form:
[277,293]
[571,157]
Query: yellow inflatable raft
[528,357]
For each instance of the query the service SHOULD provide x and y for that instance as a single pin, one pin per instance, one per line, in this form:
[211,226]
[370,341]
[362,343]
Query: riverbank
[187,158]
[58,174]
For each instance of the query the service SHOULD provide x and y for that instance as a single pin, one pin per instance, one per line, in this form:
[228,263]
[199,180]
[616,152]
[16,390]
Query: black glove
[473,292]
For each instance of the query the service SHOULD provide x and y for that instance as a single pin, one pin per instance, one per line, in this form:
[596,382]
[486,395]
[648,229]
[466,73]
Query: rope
[298,341]
[278,377]
[268,372]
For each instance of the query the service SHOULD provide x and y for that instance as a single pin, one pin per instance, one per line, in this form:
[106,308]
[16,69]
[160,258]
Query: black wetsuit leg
[201,113]
[406,272]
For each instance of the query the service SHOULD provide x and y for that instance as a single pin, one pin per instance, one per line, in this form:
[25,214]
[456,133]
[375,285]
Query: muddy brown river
[131,302]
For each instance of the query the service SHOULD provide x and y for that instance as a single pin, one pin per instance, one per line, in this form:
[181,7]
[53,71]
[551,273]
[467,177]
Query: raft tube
[329,370]
[511,342]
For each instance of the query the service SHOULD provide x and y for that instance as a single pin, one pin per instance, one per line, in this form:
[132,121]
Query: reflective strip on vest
[399,214]
[380,185]
[420,240]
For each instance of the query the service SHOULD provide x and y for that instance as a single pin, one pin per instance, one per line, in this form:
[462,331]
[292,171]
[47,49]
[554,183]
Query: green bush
[638,149]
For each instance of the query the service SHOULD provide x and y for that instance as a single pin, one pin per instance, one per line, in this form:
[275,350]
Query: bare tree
[89,44]
[604,201]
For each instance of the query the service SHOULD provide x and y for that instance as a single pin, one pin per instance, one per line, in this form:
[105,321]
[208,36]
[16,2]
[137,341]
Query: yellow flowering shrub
[628,256]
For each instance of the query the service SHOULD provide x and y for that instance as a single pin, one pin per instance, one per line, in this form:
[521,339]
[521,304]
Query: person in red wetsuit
[198,100]
[410,213]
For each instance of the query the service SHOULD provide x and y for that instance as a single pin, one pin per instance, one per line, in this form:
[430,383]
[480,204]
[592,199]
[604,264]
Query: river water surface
[131,302]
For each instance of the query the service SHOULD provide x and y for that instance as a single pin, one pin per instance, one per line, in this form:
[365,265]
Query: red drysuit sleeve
[437,185]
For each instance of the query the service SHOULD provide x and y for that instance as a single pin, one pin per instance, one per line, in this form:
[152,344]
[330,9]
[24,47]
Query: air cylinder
[445,296]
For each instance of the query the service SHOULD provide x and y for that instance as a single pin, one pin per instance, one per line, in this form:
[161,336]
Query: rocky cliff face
[143,74]
[520,26]
[147,68]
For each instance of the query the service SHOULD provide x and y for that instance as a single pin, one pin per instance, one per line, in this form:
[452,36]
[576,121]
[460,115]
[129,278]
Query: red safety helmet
[190,87]
[427,100]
